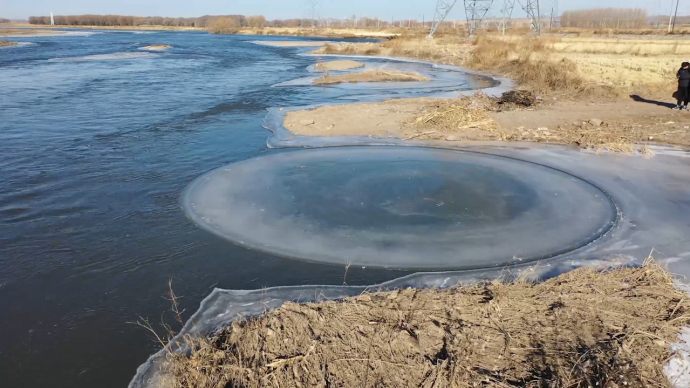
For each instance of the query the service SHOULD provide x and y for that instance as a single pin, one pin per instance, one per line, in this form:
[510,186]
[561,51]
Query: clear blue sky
[284,9]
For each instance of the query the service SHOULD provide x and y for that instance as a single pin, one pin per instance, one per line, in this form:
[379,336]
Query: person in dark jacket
[683,96]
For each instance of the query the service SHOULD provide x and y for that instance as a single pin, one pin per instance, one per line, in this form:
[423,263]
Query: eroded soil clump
[585,328]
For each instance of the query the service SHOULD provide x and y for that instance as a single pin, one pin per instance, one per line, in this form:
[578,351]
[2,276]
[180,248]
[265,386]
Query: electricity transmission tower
[531,8]
[476,11]
[311,13]
[506,14]
[443,7]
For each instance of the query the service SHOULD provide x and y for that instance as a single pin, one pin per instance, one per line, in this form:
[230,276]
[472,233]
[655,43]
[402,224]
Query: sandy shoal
[293,44]
[339,65]
[157,47]
[377,75]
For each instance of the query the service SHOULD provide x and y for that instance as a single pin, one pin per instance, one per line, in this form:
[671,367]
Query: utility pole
[672,18]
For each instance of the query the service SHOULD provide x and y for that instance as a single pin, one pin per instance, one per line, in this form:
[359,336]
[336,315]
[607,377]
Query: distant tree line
[238,21]
[3,20]
[605,18]
[130,21]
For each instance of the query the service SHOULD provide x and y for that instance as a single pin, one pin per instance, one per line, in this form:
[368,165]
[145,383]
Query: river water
[98,138]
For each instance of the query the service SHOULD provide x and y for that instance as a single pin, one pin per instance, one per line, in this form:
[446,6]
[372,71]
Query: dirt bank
[338,65]
[292,43]
[613,125]
[157,47]
[124,28]
[609,329]
[323,32]
[378,75]
[30,32]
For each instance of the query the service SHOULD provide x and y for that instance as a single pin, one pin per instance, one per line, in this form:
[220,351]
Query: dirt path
[562,113]
[631,121]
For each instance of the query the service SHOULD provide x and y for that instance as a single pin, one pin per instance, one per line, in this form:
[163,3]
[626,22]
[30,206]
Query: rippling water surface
[97,140]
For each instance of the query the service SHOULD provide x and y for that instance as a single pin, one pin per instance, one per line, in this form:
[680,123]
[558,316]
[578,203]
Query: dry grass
[469,118]
[585,328]
[338,65]
[576,67]
[325,32]
[662,31]
[451,116]
[377,75]
[5,43]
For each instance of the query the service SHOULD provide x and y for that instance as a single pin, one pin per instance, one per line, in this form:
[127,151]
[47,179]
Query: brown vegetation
[224,26]
[605,18]
[621,126]
[132,21]
[5,43]
[256,21]
[338,65]
[472,118]
[377,75]
[572,67]
[584,328]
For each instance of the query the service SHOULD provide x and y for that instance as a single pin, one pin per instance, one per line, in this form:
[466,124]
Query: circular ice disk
[399,207]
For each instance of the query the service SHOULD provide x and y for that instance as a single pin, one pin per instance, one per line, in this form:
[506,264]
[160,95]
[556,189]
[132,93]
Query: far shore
[144,28]
[292,43]
[30,32]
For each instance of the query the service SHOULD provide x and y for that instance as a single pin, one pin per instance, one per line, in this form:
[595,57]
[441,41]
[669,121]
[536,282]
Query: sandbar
[338,65]
[157,47]
[378,75]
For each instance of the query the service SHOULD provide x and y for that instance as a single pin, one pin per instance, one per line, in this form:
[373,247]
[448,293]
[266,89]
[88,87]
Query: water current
[98,138]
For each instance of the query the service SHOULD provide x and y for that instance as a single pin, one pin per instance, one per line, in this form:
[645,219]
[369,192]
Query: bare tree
[605,18]
[256,21]
[224,25]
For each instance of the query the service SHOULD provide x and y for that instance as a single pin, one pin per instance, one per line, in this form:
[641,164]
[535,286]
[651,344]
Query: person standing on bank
[683,76]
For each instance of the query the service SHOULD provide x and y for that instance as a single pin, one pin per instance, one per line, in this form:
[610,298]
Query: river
[97,140]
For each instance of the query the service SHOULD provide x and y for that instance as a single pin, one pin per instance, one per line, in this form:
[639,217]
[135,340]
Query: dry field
[609,329]
[592,66]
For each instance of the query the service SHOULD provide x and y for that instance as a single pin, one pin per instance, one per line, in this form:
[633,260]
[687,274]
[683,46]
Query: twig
[370,360]
[419,134]
[170,296]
